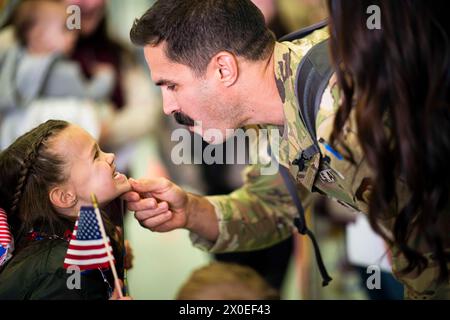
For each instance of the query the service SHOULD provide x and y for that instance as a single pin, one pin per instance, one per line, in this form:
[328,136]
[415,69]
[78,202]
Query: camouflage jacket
[261,213]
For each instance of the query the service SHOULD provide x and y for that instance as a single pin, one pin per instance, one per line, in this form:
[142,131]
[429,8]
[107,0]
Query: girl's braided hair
[28,169]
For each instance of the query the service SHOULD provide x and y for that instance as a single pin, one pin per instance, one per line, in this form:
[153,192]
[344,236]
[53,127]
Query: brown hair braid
[27,163]
[28,169]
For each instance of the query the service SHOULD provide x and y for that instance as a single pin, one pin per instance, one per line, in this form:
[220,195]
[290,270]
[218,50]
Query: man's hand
[159,204]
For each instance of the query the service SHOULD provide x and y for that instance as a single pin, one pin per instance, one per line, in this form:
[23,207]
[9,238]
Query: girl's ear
[62,197]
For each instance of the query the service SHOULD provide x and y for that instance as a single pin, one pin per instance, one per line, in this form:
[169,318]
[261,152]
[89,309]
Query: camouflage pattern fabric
[260,213]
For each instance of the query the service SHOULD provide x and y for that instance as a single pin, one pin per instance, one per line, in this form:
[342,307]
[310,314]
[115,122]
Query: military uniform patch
[327,176]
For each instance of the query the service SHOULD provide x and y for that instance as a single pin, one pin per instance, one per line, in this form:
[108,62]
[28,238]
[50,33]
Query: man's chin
[212,135]
[216,138]
[213,140]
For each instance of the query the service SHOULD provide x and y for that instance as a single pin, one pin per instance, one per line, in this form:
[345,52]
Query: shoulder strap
[45,79]
[300,223]
[313,75]
[300,220]
[42,82]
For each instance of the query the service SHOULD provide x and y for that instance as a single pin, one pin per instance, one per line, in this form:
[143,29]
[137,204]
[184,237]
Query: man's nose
[169,104]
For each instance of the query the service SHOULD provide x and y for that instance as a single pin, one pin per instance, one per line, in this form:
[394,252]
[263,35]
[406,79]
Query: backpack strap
[313,75]
[300,222]
[42,81]
[48,71]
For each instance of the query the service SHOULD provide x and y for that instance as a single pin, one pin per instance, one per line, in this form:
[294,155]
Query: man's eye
[96,154]
[171,87]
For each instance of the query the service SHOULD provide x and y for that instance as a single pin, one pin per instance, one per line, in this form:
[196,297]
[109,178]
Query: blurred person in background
[6,31]
[135,109]
[95,45]
[37,66]
[226,281]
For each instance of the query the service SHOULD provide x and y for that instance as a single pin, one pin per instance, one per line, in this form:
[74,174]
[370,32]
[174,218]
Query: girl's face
[89,169]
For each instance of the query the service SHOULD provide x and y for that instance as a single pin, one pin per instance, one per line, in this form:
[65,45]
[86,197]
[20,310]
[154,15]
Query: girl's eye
[96,154]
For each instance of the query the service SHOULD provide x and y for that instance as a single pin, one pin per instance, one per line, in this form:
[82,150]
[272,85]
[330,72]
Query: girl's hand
[115,295]
[128,264]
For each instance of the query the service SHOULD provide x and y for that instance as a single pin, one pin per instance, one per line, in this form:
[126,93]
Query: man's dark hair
[196,30]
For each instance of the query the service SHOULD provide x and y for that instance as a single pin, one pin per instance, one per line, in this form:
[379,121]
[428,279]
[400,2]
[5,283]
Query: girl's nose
[110,157]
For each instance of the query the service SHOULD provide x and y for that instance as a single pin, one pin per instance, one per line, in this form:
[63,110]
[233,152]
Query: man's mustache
[184,119]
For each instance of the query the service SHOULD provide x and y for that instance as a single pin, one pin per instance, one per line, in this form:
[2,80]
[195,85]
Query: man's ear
[225,66]
[62,197]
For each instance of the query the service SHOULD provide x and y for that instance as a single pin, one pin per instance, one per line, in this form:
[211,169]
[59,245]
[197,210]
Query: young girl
[46,175]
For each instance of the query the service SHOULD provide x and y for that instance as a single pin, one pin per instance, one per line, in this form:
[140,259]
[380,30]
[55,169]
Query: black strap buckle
[306,155]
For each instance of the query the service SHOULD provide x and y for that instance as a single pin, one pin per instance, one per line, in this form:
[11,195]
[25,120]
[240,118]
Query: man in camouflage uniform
[261,213]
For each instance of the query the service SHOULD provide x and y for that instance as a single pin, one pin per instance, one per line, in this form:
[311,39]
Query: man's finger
[149,185]
[154,222]
[143,204]
[164,227]
[146,195]
[131,196]
[145,214]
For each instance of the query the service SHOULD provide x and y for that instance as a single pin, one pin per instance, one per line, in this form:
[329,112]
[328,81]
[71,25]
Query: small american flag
[5,238]
[86,247]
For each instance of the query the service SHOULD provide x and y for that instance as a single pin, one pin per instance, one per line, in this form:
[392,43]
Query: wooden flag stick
[110,257]
[125,271]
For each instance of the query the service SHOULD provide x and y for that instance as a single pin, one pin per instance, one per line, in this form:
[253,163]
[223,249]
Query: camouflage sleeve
[424,285]
[256,216]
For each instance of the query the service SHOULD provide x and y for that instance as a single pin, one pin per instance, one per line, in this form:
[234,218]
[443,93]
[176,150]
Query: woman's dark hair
[196,30]
[28,169]
[396,80]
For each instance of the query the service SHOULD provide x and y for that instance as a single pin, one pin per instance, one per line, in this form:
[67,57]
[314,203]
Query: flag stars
[88,238]
[89,226]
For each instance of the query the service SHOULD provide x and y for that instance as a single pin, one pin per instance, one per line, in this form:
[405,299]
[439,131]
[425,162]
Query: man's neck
[260,96]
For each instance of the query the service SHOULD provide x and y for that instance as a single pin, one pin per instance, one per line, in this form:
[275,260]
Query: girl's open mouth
[118,176]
